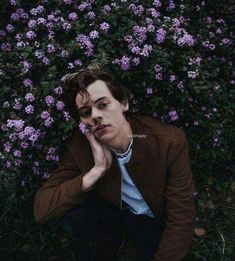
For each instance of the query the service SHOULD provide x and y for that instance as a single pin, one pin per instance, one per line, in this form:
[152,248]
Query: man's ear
[125,105]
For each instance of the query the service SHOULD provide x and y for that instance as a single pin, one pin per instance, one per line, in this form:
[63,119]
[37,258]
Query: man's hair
[78,82]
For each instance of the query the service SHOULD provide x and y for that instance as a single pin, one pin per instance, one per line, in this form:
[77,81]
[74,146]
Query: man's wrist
[90,179]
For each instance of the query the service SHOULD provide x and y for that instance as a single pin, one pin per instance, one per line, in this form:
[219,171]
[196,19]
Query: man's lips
[100,127]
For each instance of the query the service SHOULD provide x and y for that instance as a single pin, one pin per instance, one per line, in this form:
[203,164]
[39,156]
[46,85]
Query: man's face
[102,108]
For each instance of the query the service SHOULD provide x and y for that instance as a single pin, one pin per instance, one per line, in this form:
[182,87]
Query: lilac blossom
[17,153]
[27,82]
[46,61]
[41,20]
[180,86]
[6,47]
[29,109]
[136,61]
[60,105]
[10,28]
[30,35]
[29,97]
[50,48]
[17,105]
[26,66]
[187,39]
[32,24]
[49,100]
[172,78]
[45,115]
[125,63]
[91,15]
[77,62]
[73,16]
[94,34]
[66,26]
[24,145]
[173,115]
[161,35]
[104,26]
[6,104]
[58,90]
[146,50]
[106,9]
[16,124]
[48,122]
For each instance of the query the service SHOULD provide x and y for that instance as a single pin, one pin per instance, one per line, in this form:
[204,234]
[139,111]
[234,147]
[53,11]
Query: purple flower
[66,26]
[73,16]
[27,82]
[146,50]
[83,127]
[60,105]
[17,124]
[6,47]
[136,60]
[149,91]
[91,15]
[39,54]
[193,74]
[180,86]
[29,97]
[29,109]
[17,153]
[26,66]
[58,90]
[13,2]
[49,100]
[225,41]
[2,73]
[32,24]
[6,104]
[50,48]
[64,54]
[106,9]
[157,68]
[172,78]
[48,122]
[41,20]
[68,2]
[45,115]
[10,28]
[30,35]
[77,62]
[125,63]
[128,38]
[17,105]
[24,145]
[104,26]
[173,115]
[135,49]
[157,3]
[66,116]
[46,61]
[94,34]
[187,39]
[161,35]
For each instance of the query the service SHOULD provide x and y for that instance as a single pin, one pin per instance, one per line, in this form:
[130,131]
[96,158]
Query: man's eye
[102,105]
[84,113]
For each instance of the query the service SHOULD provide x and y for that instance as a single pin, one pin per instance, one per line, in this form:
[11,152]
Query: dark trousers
[99,228]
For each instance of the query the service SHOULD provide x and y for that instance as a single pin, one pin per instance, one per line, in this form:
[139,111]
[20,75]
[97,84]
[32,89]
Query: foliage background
[176,60]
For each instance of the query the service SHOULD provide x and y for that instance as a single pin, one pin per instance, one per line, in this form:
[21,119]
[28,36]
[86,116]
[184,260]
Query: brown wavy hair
[78,82]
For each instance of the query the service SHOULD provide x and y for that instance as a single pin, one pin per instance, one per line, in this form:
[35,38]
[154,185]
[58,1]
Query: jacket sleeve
[61,192]
[180,208]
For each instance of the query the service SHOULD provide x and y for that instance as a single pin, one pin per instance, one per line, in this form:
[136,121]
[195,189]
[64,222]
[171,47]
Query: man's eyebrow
[94,102]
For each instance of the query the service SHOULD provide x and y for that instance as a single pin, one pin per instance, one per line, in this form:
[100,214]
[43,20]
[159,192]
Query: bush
[175,58]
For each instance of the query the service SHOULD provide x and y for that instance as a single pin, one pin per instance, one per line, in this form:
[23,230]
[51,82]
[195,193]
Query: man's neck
[121,143]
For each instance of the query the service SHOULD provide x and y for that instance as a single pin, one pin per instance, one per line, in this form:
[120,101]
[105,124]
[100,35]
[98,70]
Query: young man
[129,177]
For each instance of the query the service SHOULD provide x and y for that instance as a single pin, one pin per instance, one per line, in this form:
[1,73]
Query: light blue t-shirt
[130,194]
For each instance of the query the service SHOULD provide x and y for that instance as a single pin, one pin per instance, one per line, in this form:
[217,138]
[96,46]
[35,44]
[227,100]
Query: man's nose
[96,115]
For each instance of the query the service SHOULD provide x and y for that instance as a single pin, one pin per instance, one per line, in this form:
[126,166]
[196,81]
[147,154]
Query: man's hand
[103,160]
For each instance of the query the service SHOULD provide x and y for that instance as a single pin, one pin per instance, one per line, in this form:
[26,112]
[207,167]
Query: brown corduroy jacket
[159,167]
